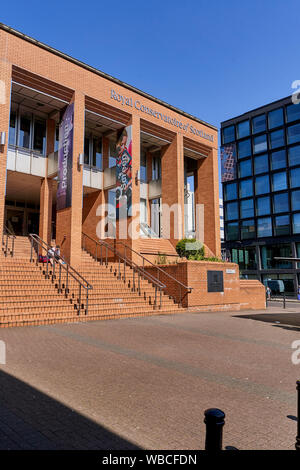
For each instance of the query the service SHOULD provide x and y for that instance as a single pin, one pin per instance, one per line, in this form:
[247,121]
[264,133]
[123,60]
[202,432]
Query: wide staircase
[35,293]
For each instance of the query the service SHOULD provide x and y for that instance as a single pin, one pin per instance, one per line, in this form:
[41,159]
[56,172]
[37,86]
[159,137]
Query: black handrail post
[79,299]
[6,245]
[139,281]
[47,275]
[59,284]
[119,275]
[214,421]
[160,300]
[101,255]
[155,298]
[297,445]
[31,250]
[87,300]
[67,282]
[283,299]
[53,270]
[133,280]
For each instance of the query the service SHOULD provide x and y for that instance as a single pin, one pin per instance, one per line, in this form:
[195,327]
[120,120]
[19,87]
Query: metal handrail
[180,284]
[5,243]
[61,271]
[136,269]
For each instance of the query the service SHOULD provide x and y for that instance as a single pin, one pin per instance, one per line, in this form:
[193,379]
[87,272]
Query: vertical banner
[228,162]
[124,173]
[65,159]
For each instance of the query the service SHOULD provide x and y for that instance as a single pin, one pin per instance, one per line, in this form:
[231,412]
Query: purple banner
[124,173]
[65,159]
[228,162]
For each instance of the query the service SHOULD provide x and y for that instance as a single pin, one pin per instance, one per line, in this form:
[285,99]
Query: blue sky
[213,59]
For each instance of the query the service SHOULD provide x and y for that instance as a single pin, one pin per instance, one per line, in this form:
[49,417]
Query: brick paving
[145,382]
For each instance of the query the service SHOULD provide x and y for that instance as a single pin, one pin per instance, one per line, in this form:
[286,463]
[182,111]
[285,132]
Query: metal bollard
[214,420]
[297,445]
[284,300]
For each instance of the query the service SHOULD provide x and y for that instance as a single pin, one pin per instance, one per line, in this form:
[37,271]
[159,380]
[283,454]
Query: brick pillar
[46,191]
[207,193]
[134,221]
[172,175]
[69,220]
[5,87]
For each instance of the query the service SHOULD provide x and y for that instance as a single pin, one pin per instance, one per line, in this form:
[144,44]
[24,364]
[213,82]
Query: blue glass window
[263,206]
[282,225]
[243,129]
[264,227]
[228,134]
[295,178]
[260,143]
[261,164]
[296,223]
[246,189]
[232,211]
[295,200]
[292,112]
[245,168]
[232,231]
[247,209]
[279,181]
[278,160]
[244,148]
[293,134]
[259,124]
[275,118]
[276,139]
[248,229]
[230,191]
[294,155]
[262,185]
[280,203]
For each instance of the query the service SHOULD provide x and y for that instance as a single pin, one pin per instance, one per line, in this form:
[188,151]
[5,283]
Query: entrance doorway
[15,221]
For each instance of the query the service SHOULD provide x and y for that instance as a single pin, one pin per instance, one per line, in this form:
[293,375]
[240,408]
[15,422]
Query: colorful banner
[124,173]
[65,159]
[228,162]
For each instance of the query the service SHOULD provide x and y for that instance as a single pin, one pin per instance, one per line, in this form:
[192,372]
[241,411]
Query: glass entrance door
[156,216]
[15,221]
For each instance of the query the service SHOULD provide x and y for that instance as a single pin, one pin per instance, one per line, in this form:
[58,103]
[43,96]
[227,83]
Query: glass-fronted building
[260,158]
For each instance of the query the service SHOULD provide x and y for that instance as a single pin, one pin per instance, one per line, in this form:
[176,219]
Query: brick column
[46,191]
[172,175]
[5,87]
[134,221]
[69,220]
[207,193]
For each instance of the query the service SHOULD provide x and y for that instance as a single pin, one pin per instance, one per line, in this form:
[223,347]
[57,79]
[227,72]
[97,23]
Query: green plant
[190,248]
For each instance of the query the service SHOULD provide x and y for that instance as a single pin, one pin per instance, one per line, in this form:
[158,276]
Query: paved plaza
[144,383]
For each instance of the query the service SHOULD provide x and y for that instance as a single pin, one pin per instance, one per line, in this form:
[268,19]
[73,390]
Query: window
[262,184]
[228,134]
[279,181]
[156,167]
[261,164]
[263,206]
[295,178]
[24,134]
[259,124]
[280,203]
[248,229]
[244,148]
[294,155]
[260,143]
[39,136]
[246,188]
[268,253]
[232,211]
[12,129]
[245,257]
[292,112]
[282,225]
[278,160]
[112,154]
[293,134]
[230,191]
[275,118]
[245,168]
[247,208]
[243,129]
[143,167]
[97,152]
[232,231]
[86,151]
[296,223]
[56,139]
[276,139]
[295,200]
[264,227]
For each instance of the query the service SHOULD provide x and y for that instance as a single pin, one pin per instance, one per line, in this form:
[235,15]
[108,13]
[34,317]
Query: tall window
[228,134]
[156,167]
[275,118]
[143,166]
[39,136]
[27,131]
[24,134]
[12,128]
[259,124]
[112,154]
[292,112]
[97,152]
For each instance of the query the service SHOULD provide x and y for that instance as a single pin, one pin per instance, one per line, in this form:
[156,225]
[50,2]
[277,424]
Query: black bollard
[214,420]
[297,445]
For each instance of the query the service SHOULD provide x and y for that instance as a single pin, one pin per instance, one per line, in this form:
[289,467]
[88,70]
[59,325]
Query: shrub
[190,248]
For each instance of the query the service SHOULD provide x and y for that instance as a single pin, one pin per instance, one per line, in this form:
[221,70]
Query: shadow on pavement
[30,419]
[279,320]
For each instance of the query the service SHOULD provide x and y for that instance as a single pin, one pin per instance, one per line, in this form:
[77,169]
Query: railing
[101,251]
[67,280]
[141,268]
[8,241]
[161,272]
